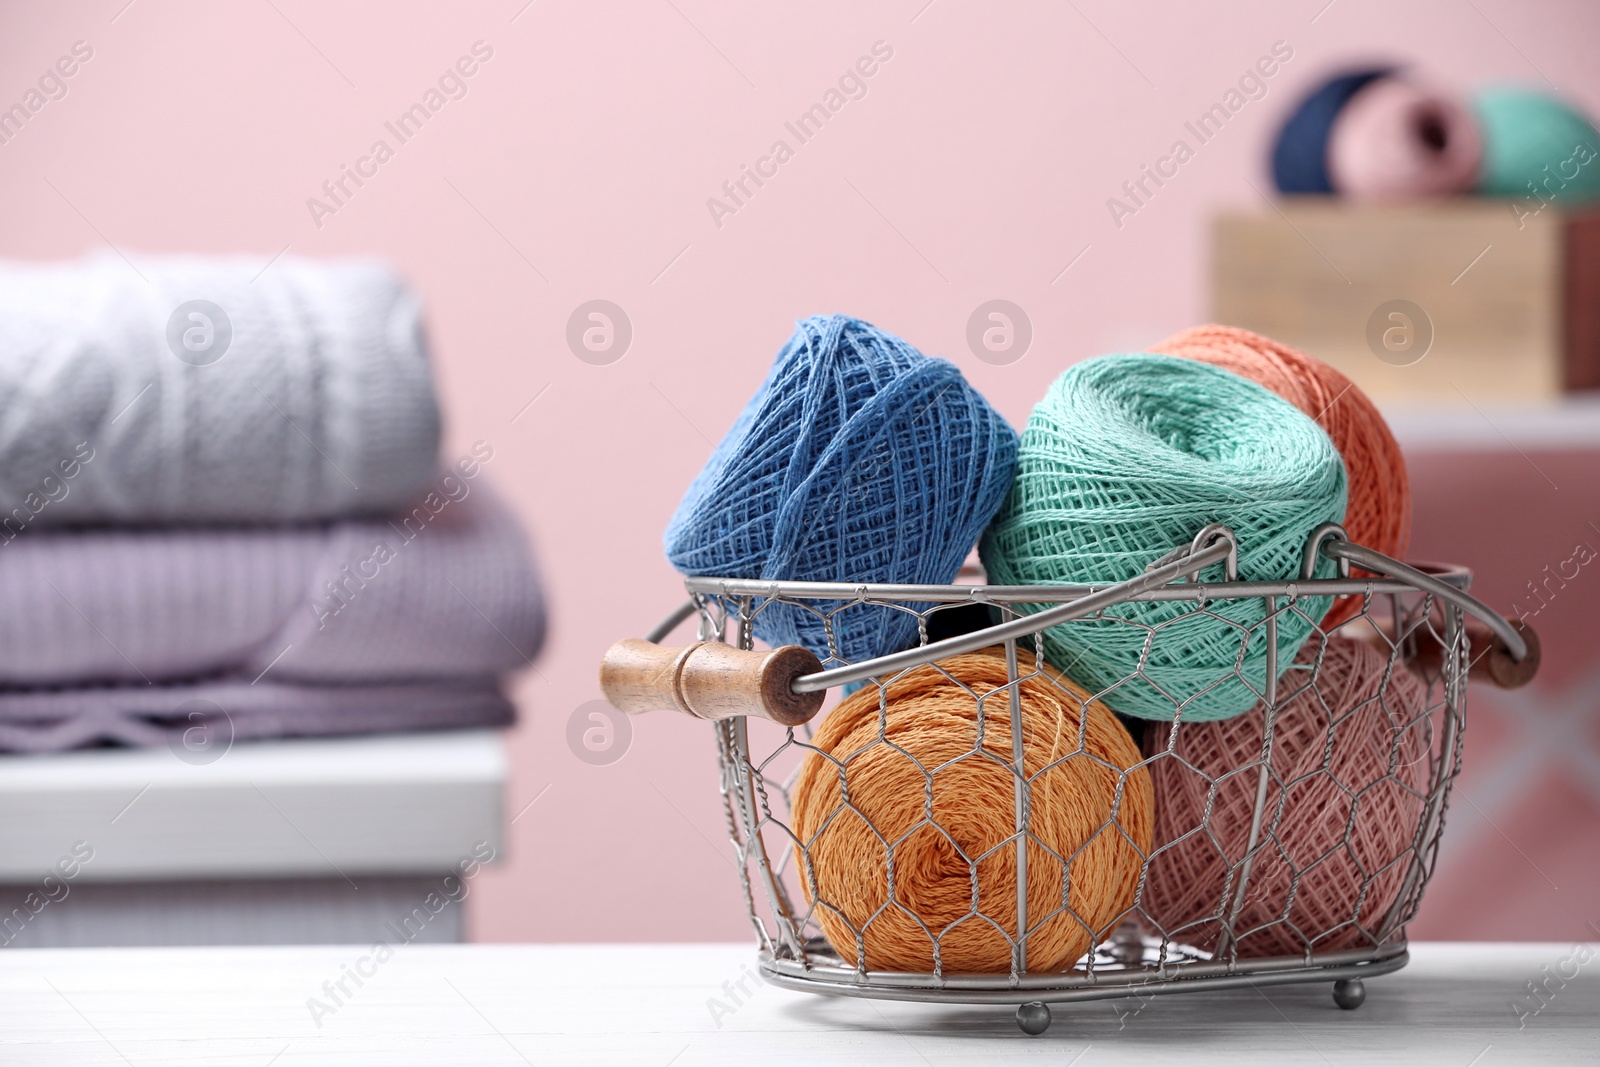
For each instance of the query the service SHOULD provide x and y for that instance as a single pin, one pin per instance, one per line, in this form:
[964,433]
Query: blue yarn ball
[858,460]
[1300,154]
[1529,137]
[1128,457]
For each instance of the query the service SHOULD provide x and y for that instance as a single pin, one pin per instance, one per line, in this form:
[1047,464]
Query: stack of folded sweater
[221,496]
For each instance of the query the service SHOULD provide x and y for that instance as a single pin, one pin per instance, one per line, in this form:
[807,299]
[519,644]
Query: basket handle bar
[1222,547]
[1349,552]
[671,622]
[1204,539]
[1328,531]
[1214,544]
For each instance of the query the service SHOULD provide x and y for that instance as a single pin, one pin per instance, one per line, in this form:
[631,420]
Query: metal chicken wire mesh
[1255,927]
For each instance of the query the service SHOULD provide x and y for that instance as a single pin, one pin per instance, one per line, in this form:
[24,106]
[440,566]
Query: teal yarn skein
[1128,457]
[1536,145]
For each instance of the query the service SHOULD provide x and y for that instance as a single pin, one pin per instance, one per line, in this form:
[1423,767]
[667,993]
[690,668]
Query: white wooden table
[663,1005]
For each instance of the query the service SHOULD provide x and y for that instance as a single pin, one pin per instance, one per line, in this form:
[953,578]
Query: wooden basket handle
[710,680]
[1490,660]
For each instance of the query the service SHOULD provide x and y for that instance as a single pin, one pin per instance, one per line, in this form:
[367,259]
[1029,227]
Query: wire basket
[1420,618]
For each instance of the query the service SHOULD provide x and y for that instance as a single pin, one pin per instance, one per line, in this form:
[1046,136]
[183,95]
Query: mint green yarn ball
[1533,137]
[1128,457]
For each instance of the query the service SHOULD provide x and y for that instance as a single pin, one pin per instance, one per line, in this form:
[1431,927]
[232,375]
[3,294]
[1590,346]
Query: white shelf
[388,804]
[1572,424]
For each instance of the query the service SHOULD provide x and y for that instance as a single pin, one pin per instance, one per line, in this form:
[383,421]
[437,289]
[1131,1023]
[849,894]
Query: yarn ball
[1128,457]
[1536,145]
[906,791]
[1300,153]
[1397,140]
[1379,513]
[858,460]
[1349,770]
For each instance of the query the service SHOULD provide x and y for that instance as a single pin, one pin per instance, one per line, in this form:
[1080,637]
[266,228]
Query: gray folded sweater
[206,389]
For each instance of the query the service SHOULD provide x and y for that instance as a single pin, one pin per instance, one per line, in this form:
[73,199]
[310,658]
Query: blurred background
[601,152]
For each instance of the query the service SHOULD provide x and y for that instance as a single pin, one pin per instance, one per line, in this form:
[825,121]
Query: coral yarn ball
[1379,511]
[1396,140]
[908,794]
[1350,771]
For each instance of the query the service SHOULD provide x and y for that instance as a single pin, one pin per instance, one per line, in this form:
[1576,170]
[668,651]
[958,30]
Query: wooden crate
[1514,302]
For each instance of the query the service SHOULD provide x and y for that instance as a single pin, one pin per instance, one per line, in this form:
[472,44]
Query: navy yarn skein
[1300,154]
[858,460]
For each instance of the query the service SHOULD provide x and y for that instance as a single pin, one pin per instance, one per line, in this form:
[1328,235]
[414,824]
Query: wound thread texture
[1128,457]
[1379,512]
[1350,762]
[908,764]
[1300,153]
[1396,140]
[1537,148]
[858,460]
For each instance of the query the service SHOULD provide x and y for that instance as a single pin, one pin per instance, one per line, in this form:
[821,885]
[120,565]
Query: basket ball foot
[1033,1018]
[1349,993]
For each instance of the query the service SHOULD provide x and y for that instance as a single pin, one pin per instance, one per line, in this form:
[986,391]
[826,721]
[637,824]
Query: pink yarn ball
[1350,771]
[1396,140]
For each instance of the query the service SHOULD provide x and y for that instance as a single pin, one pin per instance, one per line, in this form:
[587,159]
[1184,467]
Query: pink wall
[578,166]
[1521,857]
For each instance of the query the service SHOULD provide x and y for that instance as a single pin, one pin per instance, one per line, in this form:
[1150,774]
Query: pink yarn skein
[1397,140]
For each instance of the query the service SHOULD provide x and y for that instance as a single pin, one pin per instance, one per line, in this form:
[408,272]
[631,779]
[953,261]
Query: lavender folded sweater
[228,710]
[445,591]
